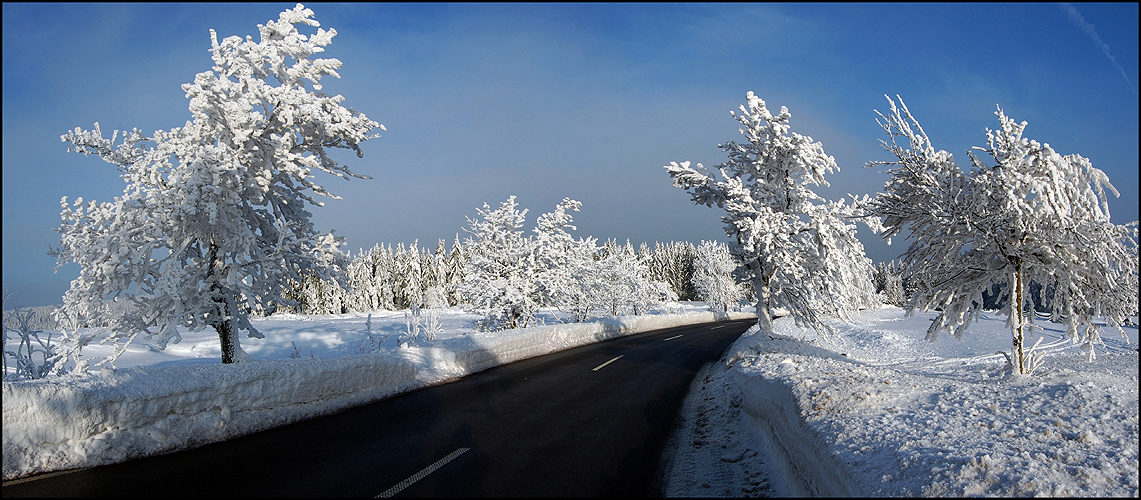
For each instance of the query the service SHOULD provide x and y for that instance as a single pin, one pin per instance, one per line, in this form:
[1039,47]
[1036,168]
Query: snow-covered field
[877,411]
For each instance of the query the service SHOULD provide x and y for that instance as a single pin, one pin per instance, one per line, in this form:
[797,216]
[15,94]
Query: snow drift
[878,411]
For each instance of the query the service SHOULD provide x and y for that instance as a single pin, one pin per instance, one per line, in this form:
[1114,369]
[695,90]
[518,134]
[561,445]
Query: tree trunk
[1019,321]
[227,336]
[229,341]
[764,312]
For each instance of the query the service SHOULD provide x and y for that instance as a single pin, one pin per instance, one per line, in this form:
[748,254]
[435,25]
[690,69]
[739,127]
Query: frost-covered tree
[34,356]
[326,292]
[1030,214]
[368,282]
[713,271]
[499,276]
[413,273]
[214,220]
[436,272]
[672,263]
[620,281]
[889,283]
[456,260]
[798,250]
[561,260]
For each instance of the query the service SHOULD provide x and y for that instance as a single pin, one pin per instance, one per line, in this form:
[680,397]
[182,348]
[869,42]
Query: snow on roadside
[714,449]
[162,401]
[878,411]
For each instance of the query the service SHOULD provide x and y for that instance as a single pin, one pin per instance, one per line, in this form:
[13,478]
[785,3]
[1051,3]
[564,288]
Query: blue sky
[588,101]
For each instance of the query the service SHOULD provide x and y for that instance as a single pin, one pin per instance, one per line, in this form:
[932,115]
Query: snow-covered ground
[161,401]
[876,411]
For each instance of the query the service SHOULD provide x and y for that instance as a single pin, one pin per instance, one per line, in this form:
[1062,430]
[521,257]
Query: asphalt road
[589,421]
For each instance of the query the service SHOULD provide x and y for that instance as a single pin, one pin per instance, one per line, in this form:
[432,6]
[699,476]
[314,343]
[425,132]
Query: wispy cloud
[1082,24]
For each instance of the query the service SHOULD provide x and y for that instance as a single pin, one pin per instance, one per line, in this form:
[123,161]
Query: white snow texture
[878,411]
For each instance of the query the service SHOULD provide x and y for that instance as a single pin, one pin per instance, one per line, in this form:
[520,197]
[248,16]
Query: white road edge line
[599,367]
[420,475]
[671,338]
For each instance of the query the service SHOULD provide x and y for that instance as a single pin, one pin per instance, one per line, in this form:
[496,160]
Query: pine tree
[889,283]
[456,261]
[672,263]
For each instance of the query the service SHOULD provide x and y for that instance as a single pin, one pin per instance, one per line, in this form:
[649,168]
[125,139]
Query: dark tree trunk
[227,338]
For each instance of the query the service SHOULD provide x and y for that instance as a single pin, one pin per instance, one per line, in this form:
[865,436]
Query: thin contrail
[1080,22]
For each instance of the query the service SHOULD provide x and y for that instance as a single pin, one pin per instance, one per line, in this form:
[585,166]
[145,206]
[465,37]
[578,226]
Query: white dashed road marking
[674,337]
[599,367]
[420,475]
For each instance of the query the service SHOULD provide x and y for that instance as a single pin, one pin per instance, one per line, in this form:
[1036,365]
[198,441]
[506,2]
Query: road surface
[589,421]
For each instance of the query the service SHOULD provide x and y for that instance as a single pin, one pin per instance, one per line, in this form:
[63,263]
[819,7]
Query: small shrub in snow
[34,357]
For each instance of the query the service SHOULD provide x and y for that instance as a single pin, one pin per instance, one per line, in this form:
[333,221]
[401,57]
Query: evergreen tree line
[387,277]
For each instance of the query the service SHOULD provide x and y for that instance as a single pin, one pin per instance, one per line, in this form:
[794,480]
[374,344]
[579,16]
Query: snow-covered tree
[560,259]
[672,263]
[368,280]
[619,282]
[436,272]
[1029,215]
[455,272]
[798,250]
[889,283]
[499,276]
[214,222]
[713,271]
[34,356]
[413,291]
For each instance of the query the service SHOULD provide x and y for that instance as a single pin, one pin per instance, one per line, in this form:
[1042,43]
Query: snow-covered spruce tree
[713,271]
[1031,215]
[889,283]
[499,275]
[413,273]
[672,263]
[361,273]
[798,250]
[371,280]
[436,273]
[563,264]
[213,222]
[455,272]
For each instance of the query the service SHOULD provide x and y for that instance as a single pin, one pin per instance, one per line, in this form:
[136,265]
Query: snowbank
[880,412]
[97,419]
